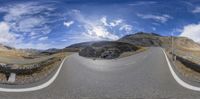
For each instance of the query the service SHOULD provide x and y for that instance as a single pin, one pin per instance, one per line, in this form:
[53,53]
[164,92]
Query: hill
[149,39]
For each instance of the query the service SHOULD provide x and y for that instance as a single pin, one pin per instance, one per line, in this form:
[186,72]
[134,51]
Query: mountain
[11,52]
[80,45]
[4,47]
[30,50]
[187,44]
[76,47]
[51,50]
[142,39]
[150,39]
[107,49]
[138,39]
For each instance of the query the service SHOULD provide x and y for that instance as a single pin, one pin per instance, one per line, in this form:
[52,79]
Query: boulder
[88,52]
[111,53]
[107,49]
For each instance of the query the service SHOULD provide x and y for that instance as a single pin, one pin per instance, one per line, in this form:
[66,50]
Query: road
[145,75]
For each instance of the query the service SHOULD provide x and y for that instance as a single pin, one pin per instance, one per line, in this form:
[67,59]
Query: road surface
[145,75]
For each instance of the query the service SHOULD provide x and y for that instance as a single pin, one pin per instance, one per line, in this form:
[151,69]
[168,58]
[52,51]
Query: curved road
[144,75]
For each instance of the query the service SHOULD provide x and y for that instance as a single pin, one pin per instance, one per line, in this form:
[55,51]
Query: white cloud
[23,22]
[30,24]
[68,23]
[117,23]
[113,23]
[192,31]
[196,10]
[94,30]
[14,40]
[43,38]
[162,18]
[6,37]
[143,3]
[26,18]
[126,27]
[104,21]
[99,33]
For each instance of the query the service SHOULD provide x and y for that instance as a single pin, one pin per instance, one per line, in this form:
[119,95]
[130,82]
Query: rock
[107,49]
[11,78]
[88,52]
[111,53]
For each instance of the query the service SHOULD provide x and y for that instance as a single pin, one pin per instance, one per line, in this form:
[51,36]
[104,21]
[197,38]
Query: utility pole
[172,46]
[173,53]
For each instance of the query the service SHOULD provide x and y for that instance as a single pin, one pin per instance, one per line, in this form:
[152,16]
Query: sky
[42,24]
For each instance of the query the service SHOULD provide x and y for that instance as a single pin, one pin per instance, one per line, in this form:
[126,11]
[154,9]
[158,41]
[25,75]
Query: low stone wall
[27,69]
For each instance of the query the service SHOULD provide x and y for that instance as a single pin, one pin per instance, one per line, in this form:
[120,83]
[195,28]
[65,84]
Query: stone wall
[26,69]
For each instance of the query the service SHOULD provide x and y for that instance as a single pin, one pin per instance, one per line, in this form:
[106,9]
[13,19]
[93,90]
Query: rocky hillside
[150,39]
[10,52]
[187,44]
[142,39]
[4,47]
[107,49]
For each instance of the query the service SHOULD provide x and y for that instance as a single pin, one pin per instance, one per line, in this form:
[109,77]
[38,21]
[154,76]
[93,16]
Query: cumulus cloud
[94,30]
[118,24]
[160,18]
[68,23]
[191,31]
[6,37]
[196,10]
[113,23]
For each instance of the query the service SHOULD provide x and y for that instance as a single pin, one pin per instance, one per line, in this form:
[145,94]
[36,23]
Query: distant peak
[143,33]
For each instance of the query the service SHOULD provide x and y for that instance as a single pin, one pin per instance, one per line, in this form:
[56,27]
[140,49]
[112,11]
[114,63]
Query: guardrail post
[11,78]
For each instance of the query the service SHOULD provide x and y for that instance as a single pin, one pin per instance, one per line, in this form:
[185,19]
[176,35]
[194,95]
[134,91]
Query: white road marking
[181,82]
[50,81]
[35,88]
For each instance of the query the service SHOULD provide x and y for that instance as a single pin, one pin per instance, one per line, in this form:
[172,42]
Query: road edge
[179,80]
[35,88]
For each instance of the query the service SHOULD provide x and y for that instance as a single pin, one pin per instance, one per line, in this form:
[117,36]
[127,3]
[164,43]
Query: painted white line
[44,85]
[181,82]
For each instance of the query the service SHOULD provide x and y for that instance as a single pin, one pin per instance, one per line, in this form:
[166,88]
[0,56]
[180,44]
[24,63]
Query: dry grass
[185,71]
[39,75]
[12,54]
[23,79]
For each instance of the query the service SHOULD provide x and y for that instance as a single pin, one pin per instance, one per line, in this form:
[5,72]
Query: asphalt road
[145,75]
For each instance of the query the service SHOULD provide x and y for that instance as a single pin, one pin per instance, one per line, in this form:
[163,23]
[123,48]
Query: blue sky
[44,24]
